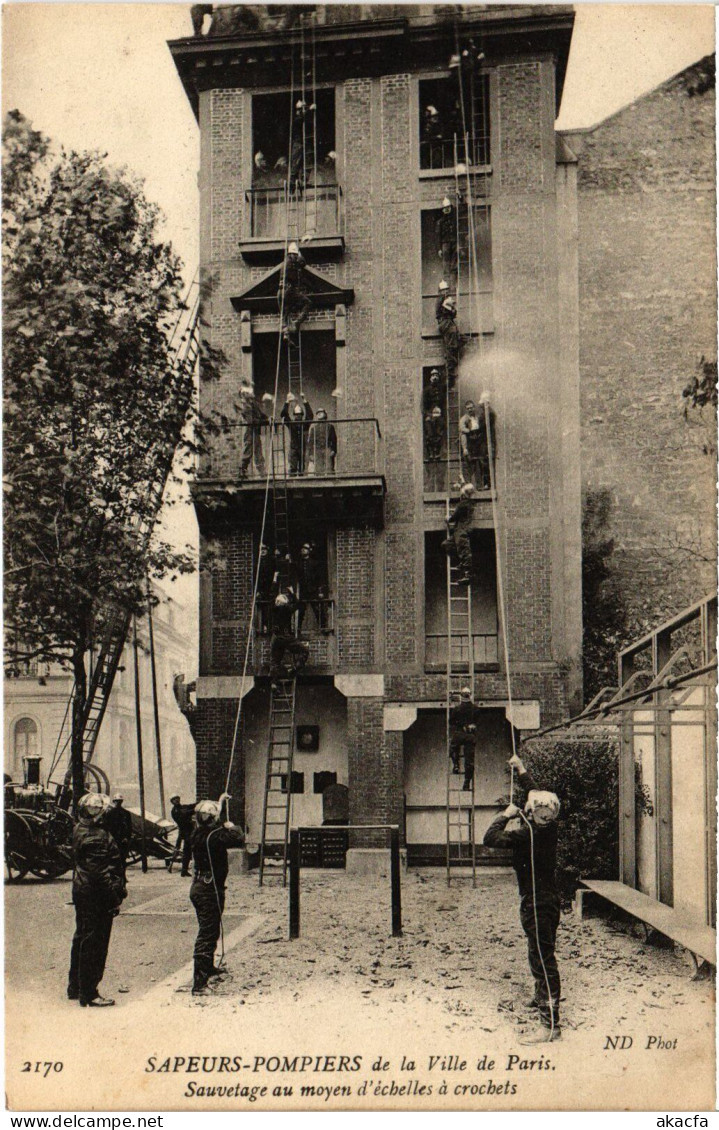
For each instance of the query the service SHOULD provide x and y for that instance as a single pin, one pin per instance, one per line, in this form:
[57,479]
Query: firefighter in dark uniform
[533,841]
[181,815]
[446,315]
[462,730]
[98,888]
[313,588]
[292,296]
[302,145]
[283,635]
[446,229]
[434,402]
[297,416]
[210,841]
[266,576]
[458,526]
[118,822]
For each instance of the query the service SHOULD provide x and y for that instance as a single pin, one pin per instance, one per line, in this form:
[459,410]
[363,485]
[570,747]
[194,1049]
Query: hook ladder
[280,750]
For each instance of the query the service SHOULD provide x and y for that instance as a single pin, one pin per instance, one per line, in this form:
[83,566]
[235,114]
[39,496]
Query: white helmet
[444,285]
[91,806]
[446,203]
[465,692]
[301,105]
[282,600]
[467,490]
[431,110]
[206,811]
[544,806]
[293,249]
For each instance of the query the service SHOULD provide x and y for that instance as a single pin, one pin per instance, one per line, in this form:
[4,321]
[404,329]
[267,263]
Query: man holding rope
[532,837]
[210,841]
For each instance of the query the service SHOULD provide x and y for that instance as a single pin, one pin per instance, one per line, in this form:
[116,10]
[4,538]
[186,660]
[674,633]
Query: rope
[536,922]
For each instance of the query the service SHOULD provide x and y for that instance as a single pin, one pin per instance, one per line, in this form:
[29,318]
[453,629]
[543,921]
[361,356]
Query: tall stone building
[375,684]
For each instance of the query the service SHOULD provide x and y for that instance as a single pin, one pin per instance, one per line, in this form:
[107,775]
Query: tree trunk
[77,758]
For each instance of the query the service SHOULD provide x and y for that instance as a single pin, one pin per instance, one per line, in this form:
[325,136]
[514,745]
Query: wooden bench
[696,937]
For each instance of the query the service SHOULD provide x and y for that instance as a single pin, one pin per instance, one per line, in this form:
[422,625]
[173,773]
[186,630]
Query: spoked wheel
[19,847]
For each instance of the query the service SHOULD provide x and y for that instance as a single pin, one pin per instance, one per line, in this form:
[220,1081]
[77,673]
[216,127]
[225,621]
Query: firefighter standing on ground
[210,841]
[533,840]
[181,815]
[118,822]
[98,889]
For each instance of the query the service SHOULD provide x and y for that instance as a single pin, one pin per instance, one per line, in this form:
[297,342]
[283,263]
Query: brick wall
[647,312]
[214,739]
[374,769]
[380,574]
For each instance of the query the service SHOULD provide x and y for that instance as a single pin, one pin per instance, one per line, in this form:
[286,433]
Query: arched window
[25,741]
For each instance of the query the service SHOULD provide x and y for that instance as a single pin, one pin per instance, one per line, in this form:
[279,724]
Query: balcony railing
[485,647]
[322,449]
[316,212]
[444,153]
[318,632]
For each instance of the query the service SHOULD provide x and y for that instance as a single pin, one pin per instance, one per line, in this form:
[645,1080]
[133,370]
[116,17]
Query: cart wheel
[19,847]
[16,867]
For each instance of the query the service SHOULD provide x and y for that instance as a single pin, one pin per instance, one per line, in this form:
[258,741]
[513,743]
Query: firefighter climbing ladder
[460,825]
[461,843]
[115,621]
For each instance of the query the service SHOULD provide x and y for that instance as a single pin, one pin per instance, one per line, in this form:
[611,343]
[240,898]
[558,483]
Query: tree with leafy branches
[94,401]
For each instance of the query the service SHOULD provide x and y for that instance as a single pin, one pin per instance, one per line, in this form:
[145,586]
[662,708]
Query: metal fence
[485,648]
[316,211]
[320,449]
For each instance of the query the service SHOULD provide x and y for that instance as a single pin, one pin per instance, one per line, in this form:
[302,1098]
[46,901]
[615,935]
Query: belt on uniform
[206,876]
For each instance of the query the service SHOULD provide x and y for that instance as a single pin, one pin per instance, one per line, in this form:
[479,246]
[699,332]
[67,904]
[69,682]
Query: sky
[100,76]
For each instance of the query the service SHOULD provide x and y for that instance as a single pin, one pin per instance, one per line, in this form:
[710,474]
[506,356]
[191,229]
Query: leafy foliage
[700,393]
[93,398]
[584,775]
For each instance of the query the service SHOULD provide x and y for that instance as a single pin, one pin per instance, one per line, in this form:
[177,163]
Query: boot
[543,1034]
[98,1002]
[467,786]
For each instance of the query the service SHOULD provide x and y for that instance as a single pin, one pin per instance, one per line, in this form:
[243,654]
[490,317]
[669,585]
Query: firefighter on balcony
[321,445]
[292,296]
[313,587]
[266,575]
[432,138]
[297,416]
[210,841]
[476,442]
[283,636]
[458,526]
[254,422]
[462,739]
[446,315]
[446,228]
[301,146]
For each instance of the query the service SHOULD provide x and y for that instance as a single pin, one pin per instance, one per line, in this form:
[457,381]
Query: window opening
[441,129]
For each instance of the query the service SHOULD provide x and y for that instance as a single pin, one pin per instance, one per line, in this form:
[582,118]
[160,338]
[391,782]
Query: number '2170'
[41,1068]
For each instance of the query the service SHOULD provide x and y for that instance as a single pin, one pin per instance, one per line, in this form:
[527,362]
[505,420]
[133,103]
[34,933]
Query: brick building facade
[647,313]
[375,683]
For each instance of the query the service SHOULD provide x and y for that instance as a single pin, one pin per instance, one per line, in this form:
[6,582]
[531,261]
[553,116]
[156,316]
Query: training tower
[368,711]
